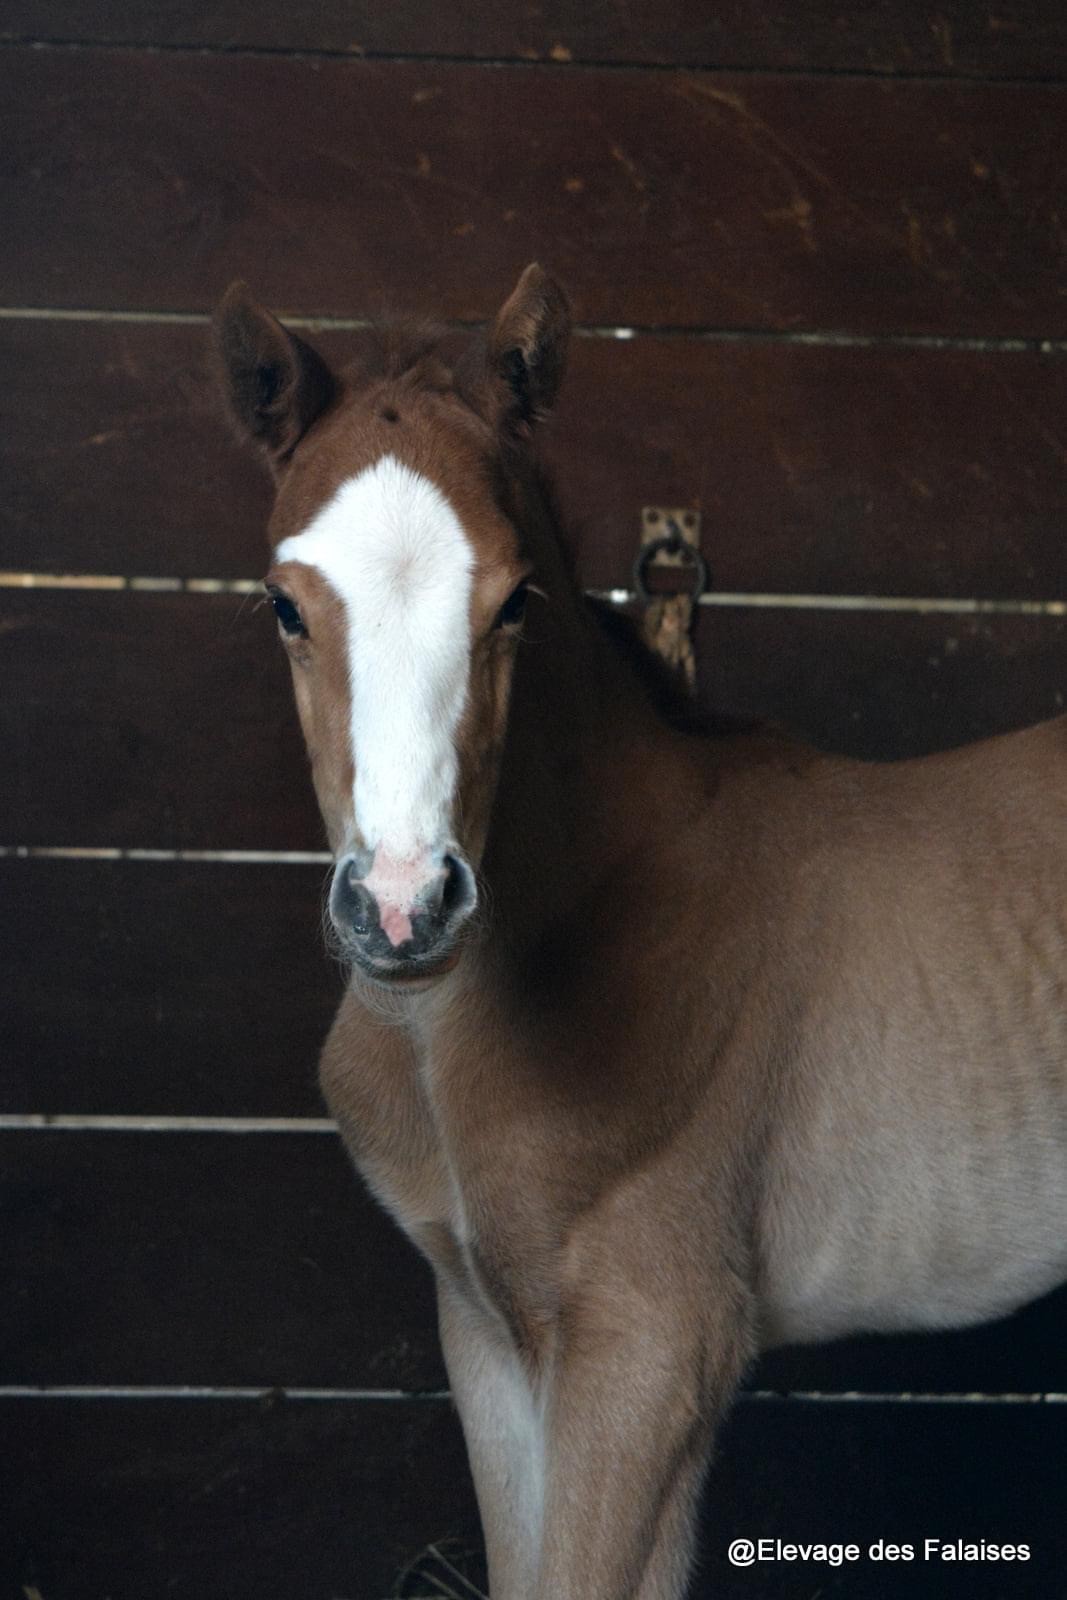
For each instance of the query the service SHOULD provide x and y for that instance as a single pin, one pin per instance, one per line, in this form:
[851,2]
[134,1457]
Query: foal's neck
[586,756]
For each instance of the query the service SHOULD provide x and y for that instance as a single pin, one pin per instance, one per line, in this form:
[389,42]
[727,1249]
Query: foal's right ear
[276,384]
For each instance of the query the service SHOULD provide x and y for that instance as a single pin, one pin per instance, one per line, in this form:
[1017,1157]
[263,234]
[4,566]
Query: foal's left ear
[275,383]
[527,347]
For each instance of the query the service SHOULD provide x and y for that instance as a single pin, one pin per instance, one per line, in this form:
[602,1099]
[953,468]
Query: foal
[664,1049]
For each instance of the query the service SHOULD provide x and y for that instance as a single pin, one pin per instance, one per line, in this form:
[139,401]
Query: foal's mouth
[410,973]
[422,978]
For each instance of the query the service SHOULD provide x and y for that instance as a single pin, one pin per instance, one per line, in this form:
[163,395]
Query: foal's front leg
[637,1389]
[502,1428]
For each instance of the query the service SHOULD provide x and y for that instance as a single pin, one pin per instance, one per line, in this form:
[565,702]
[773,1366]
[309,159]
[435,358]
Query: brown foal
[663,1048]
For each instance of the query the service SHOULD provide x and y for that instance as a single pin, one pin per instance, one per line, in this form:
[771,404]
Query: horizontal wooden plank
[186,1258]
[143,752]
[953,37]
[211,1498]
[309,1499]
[819,469]
[877,686]
[103,423]
[258,1259]
[145,179]
[188,988]
[181,733]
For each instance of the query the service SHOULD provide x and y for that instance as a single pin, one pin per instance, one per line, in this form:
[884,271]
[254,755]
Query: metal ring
[675,544]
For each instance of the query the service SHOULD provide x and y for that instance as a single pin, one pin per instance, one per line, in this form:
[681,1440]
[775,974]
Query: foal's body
[795,1066]
[750,1045]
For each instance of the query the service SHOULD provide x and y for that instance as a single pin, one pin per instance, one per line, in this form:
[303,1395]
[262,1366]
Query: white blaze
[394,550]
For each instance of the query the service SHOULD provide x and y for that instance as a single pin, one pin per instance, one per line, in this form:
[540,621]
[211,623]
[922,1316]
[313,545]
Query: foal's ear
[275,383]
[527,347]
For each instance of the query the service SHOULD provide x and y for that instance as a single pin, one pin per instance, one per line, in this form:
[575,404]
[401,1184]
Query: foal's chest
[436,1156]
[379,1081]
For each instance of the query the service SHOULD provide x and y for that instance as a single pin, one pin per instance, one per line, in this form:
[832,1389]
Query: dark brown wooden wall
[817,257]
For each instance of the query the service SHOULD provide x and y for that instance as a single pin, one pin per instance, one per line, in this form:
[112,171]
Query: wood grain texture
[953,37]
[259,1259]
[306,1500]
[877,686]
[745,202]
[818,469]
[143,754]
[187,989]
[148,180]
[211,1499]
[187,1258]
[181,733]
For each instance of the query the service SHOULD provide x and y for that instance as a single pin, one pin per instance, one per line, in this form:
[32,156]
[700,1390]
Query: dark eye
[513,608]
[287,614]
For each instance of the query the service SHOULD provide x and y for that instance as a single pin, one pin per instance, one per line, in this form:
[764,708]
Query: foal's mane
[421,352]
[663,686]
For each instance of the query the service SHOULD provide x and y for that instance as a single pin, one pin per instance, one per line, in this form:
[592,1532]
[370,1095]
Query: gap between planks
[555,59]
[841,338]
[722,599]
[61,852]
[17,1391]
[76,1122]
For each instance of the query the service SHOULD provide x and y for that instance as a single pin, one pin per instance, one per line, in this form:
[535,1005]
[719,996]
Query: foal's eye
[288,614]
[513,608]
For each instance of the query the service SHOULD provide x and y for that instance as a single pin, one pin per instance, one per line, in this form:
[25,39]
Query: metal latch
[670,539]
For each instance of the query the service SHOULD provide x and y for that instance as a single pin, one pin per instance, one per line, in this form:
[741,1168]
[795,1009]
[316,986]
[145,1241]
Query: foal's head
[399,578]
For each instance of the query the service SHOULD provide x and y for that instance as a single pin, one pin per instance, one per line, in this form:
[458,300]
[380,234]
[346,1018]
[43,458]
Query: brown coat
[743,1044]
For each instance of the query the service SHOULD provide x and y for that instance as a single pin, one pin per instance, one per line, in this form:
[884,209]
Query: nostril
[360,911]
[451,885]
[351,903]
[359,908]
[458,893]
